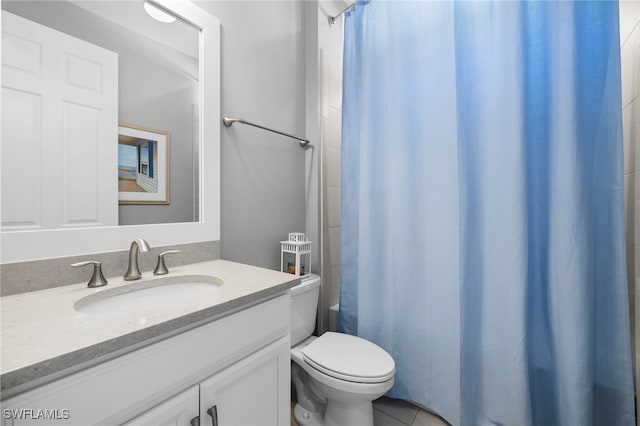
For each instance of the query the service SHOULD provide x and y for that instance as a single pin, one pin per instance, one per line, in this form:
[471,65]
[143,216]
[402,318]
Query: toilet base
[336,414]
[305,417]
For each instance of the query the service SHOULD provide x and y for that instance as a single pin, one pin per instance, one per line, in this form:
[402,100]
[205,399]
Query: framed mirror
[65,151]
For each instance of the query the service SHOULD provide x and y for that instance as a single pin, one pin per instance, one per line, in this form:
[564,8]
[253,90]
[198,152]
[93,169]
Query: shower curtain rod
[229,121]
[332,19]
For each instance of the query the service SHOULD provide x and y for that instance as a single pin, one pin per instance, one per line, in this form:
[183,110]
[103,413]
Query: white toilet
[336,375]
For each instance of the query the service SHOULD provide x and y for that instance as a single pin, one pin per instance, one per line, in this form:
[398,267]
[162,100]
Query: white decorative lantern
[298,249]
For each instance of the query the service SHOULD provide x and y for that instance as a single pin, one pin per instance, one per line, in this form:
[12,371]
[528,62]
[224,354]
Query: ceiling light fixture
[158,14]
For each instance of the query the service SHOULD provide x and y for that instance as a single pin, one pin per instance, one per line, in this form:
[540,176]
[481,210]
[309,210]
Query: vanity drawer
[119,389]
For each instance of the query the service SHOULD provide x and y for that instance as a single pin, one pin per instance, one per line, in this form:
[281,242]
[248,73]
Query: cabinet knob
[161,267]
[213,412]
[195,421]
[97,279]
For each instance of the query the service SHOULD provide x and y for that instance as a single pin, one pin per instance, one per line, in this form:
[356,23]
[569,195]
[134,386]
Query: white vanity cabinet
[180,410]
[238,366]
[249,392]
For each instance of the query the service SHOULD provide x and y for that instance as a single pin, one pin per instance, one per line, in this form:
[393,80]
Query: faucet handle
[161,268]
[97,279]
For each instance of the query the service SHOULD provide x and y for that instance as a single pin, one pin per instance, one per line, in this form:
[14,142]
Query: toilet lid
[349,358]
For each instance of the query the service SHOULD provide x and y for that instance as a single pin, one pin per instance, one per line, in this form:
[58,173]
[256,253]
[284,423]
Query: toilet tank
[304,307]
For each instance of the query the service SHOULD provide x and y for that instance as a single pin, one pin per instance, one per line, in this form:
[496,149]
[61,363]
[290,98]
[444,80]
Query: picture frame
[143,165]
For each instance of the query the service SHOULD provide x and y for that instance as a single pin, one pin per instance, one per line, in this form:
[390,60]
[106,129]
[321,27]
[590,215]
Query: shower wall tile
[631,264]
[637,264]
[334,243]
[335,285]
[629,128]
[636,323]
[635,369]
[324,134]
[636,219]
[632,323]
[637,135]
[629,207]
[331,122]
[632,300]
[335,82]
[326,242]
[629,67]
[333,167]
[636,302]
[635,298]
[333,195]
[327,283]
[629,15]
[637,381]
[335,130]
[324,86]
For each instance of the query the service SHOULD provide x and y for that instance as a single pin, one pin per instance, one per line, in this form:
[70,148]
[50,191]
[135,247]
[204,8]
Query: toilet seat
[349,358]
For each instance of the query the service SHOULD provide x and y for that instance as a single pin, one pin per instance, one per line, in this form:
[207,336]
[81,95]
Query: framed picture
[143,165]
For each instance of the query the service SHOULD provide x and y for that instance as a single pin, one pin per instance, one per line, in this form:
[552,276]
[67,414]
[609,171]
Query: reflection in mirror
[81,70]
[143,166]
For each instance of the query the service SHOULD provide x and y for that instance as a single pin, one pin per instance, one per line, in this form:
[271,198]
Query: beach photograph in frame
[143,165]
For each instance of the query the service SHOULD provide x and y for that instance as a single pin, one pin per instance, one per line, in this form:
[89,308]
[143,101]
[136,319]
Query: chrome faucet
[133,271]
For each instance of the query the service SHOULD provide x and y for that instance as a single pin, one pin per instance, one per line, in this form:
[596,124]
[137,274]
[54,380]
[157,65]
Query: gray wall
[263,73]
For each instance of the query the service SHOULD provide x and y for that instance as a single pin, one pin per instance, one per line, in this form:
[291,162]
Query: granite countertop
[44,338]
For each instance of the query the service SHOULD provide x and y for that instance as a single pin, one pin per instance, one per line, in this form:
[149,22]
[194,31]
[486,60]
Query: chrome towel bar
[229,121]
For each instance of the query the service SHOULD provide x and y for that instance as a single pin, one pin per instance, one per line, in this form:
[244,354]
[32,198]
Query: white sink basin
[152,294]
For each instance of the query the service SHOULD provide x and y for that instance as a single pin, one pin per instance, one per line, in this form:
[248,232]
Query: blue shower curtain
[482,207]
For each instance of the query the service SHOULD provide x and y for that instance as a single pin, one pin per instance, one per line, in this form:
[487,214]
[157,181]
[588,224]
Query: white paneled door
[59,129]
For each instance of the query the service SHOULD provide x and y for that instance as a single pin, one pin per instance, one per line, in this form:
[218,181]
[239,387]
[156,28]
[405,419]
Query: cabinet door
[180,410]
[254,391]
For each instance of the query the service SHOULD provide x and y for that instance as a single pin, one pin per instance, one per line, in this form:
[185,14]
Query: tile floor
[396,412]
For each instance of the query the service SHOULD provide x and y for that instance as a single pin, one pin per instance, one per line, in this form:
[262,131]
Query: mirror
[127,77]
[155,75]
